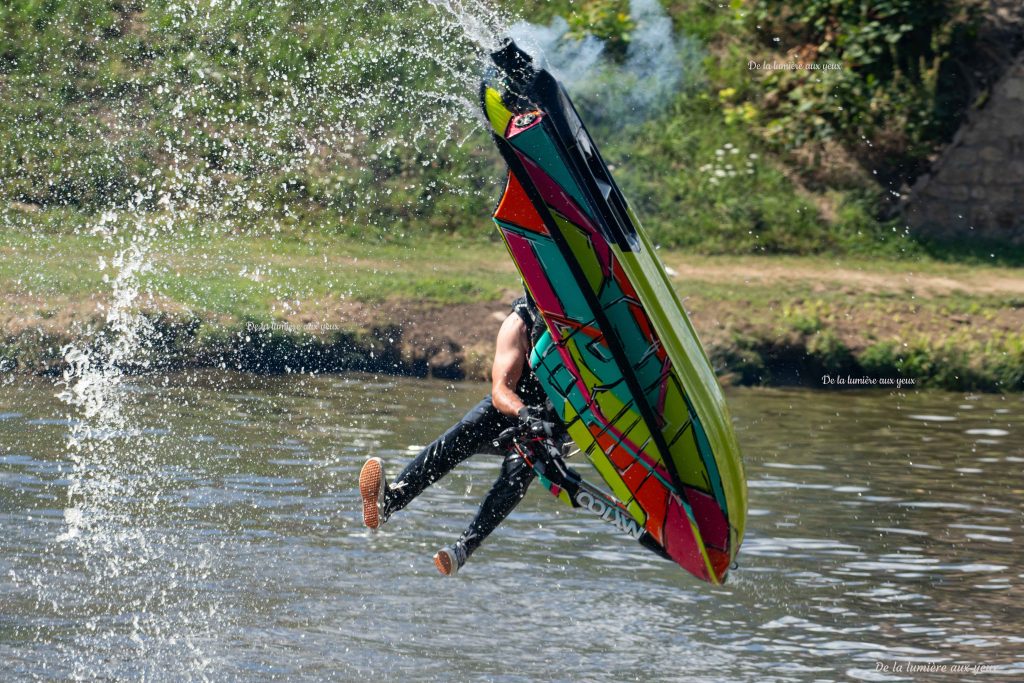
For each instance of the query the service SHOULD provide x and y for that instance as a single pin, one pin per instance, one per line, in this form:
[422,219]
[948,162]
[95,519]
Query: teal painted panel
[710,463]
[537,145]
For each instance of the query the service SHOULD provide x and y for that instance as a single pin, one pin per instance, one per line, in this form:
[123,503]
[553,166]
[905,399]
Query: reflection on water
[883,532]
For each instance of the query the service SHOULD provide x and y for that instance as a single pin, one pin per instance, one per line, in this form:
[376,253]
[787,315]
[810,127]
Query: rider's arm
[509,362]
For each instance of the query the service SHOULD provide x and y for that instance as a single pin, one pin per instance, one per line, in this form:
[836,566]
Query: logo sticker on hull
[611,514]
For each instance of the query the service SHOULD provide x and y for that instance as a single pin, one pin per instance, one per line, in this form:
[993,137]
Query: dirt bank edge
[455,342]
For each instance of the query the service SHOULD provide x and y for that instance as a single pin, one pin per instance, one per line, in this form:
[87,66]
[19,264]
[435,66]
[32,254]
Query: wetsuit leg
[508,489]
[472,434]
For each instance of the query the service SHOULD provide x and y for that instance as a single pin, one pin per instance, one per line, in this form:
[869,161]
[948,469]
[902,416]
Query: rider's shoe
[450,559]
[372,485]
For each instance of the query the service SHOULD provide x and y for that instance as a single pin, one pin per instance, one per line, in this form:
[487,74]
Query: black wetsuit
[474,434]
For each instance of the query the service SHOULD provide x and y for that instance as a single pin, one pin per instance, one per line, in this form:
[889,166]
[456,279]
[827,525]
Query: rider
[515,393]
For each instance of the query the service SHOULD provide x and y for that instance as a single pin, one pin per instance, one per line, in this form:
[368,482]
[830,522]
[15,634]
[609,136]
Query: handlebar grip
[505,438]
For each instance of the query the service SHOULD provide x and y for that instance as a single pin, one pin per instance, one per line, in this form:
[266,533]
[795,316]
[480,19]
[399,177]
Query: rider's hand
[532,418]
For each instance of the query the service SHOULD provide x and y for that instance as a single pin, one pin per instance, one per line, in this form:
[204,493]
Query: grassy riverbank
[307,191]
[327,115]
[294,300]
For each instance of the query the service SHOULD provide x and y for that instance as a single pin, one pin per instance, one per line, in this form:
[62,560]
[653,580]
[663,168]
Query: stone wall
[976,188]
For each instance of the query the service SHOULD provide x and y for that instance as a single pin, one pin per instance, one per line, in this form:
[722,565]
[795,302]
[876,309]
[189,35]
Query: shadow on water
[884,531]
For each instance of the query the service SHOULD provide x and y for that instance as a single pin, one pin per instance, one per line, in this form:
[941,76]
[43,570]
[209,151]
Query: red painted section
[680,544]
[516,208]
[558,200]
[719,562]
[610,444]
[533,273]
[714,528]
[651,496]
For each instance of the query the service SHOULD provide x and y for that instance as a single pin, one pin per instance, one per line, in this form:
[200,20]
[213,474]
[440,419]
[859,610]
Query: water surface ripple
[883,532]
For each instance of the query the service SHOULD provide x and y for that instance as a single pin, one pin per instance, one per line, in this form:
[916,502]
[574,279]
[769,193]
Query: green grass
[324,117]
[297,154]
[777,311]
[213,269]
[253,275]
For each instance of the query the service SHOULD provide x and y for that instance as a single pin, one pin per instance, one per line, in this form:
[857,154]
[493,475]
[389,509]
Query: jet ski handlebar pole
[504,440]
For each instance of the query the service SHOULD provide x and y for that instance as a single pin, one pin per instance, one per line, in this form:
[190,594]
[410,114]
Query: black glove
[532,418]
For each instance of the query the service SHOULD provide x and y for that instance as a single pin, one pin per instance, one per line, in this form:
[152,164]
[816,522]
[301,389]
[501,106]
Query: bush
[897,86]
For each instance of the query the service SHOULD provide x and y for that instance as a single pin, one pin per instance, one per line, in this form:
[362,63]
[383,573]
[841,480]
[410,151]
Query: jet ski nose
[516,64]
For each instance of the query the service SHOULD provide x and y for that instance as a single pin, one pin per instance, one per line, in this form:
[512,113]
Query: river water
[215,534]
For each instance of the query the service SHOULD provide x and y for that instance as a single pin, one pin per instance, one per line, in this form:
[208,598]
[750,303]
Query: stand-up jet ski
[620,360]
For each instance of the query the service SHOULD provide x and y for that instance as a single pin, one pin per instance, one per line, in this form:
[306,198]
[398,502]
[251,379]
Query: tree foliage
[898,92]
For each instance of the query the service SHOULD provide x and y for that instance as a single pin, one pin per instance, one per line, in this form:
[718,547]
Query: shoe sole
[444,564]
[370,478]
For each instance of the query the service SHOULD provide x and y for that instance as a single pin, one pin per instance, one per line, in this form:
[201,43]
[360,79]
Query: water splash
[93,388]
[480,24]
[355,117]
[122,591]
[137,612]
[94,374]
